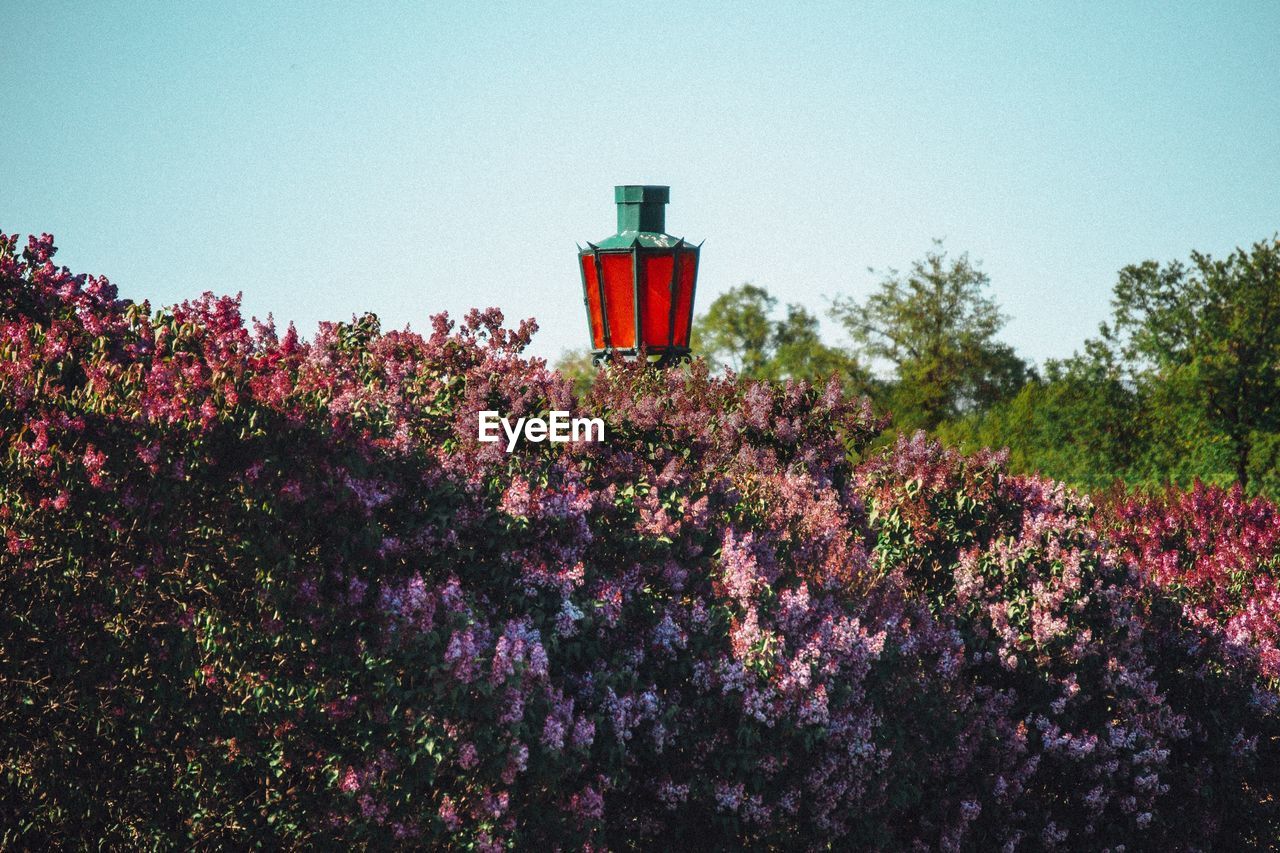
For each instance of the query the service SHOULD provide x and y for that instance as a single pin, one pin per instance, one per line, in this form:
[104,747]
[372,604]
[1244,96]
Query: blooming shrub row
[261,590]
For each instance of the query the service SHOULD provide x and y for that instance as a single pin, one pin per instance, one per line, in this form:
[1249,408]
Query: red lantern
[638,285]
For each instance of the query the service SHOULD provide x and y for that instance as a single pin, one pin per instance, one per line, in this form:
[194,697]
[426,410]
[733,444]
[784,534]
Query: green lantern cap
[641,217]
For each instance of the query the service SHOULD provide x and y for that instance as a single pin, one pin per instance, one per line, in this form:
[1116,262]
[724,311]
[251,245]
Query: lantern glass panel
[684,297]
[592,287]
[655,285]
[619,299]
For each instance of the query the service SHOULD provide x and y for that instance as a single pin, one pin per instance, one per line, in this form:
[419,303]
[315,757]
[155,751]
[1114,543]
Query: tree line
[1181,383]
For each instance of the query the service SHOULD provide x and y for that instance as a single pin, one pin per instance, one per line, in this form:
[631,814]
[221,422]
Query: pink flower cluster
[1218,553]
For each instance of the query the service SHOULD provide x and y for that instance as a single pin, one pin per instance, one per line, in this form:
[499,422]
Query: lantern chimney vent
[642,207]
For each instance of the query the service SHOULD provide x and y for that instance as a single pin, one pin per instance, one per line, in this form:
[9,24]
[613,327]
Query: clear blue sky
[327,159]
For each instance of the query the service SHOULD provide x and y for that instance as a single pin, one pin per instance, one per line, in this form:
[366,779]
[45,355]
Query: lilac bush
[1129,727]
[259,590]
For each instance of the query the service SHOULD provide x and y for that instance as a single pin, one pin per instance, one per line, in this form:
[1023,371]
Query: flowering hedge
[261,590]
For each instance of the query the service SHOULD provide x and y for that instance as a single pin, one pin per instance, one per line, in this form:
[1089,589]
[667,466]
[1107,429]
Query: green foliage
[936,328]
[1209,335]
[576,366]
[1182,386]
[799,353]
[1082,422]
[736,332]
[739,331]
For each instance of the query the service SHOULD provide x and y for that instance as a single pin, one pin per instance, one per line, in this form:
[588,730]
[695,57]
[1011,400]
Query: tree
[736,331]
[739,331]
[936,328]
[576,365]
[1083,423]
[1209,335]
